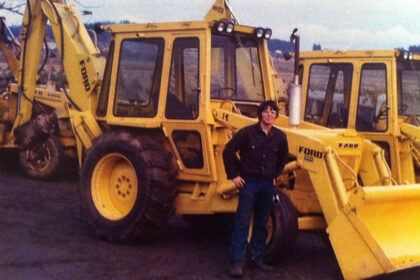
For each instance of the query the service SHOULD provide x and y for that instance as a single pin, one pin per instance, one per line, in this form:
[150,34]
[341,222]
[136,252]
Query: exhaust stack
[295,89]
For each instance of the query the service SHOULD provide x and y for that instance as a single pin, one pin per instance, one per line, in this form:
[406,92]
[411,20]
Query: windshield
[409,88]
[235,69]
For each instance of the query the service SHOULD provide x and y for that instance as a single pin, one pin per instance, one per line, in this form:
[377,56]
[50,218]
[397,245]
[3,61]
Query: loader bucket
[377,231]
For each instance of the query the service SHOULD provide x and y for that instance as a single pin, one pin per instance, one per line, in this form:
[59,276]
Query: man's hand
[239,182]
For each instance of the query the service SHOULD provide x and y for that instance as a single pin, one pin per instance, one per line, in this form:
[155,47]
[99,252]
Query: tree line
[273,44]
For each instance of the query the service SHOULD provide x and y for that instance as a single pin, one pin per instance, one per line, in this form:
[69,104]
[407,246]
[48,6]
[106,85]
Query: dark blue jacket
[262,156]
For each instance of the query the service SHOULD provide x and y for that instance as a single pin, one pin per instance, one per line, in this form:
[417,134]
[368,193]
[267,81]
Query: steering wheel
[221,90]
[228,105]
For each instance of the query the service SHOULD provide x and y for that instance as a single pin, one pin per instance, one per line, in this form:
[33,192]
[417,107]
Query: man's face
[268,116]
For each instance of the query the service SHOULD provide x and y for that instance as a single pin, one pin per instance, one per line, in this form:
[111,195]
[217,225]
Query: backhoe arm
[81,62]
[80,57]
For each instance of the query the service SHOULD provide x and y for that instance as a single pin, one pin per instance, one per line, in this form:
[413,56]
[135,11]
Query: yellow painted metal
[8,107]
[219,11]
[85,127]
[68,141]
[381,224]
[74,43]
[80,57]
[374,172]
[326,167]
[114,186]
[207,172]
[209,205]
[312,223]
[412,133]
[33,30]
[53,98]
[369,234]
[402,159]
[167,28]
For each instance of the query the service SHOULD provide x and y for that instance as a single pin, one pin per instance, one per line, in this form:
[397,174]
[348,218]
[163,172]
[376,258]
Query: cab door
[185,109]
[374,110]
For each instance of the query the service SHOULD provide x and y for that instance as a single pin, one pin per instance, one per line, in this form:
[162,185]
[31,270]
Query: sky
[345,24]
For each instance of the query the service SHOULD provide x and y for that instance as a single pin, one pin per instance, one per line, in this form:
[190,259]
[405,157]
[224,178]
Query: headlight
[267,33]
[220,26]
[224,26]
[259,32]
[229,27]
[407,55]
[410,56]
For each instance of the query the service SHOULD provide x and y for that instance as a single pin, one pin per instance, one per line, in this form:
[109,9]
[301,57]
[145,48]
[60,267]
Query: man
[263,152]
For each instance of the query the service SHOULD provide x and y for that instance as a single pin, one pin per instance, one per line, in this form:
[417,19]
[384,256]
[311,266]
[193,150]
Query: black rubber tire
[43,159]
[285,230]
[155,191]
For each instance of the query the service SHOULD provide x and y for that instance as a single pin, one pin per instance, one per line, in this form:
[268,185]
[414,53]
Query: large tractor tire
[42,159]
[128,187]
[282,230]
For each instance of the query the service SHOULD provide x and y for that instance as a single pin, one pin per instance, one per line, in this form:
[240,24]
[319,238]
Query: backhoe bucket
[377,231]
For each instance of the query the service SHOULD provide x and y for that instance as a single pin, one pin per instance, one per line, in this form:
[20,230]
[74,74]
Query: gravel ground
[42,237]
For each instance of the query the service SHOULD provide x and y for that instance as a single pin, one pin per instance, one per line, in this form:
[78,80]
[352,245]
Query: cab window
[183,90]
[235,69]
[188,144]
[372,108]
[139,74]
[328,95]
[103,97]
[408,75]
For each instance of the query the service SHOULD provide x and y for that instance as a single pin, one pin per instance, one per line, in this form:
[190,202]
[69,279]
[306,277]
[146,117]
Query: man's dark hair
[266,104]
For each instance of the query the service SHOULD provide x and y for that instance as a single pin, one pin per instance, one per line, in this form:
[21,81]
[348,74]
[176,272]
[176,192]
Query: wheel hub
[123,187]
[114,186]
[38,157]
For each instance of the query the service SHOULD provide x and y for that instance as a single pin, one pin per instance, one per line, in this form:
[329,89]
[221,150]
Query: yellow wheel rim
[114,186]
[269,229]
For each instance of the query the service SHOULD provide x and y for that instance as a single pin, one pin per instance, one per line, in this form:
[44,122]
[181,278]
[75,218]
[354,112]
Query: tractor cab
[172,75]
[374,92]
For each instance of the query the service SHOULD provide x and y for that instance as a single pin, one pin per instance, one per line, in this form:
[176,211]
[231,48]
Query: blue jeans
[255,197]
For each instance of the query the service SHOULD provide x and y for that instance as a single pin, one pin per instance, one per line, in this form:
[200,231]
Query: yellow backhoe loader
[377,93]
[43,157]
[151,129]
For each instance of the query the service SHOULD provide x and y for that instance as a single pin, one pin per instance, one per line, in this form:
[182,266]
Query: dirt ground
[42,236]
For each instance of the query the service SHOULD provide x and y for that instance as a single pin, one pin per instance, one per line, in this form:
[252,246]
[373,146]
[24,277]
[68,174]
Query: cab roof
[330,54]
[219,11]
